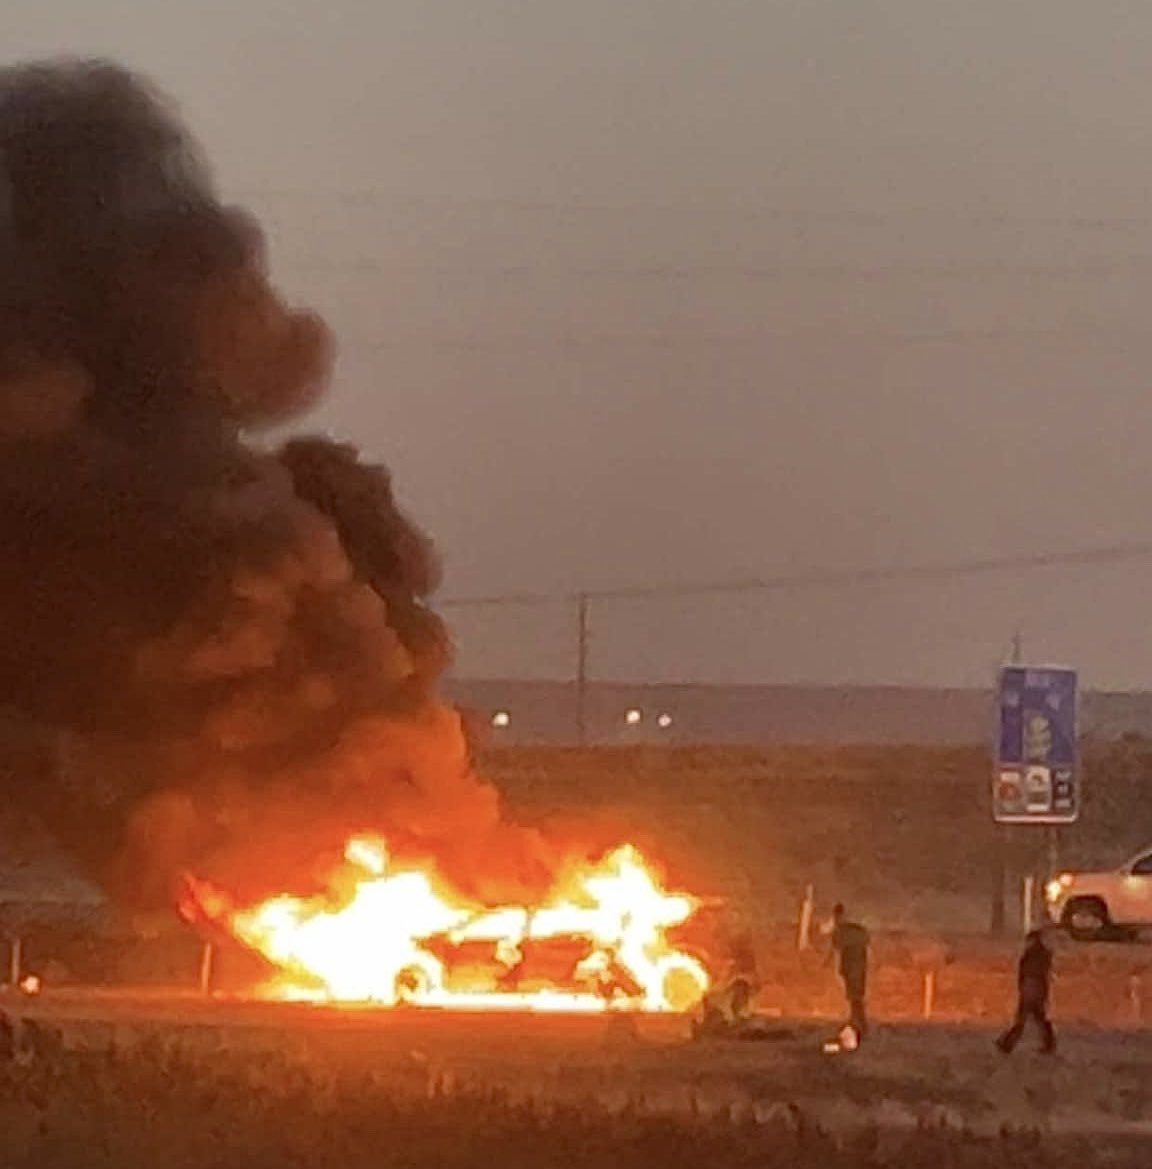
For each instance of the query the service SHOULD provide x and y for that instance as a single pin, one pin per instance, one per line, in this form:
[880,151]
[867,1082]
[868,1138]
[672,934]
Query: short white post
[206,957]
[929,993]
[807,906]
[1029,898]
[1136,998]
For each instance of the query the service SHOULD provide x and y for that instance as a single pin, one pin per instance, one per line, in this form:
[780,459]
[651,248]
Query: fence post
[1136,998]
[15,962]
[804,933]
[929,993]
[206,956]
[1028,903]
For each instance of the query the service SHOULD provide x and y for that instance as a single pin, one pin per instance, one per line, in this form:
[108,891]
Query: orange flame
[387,942]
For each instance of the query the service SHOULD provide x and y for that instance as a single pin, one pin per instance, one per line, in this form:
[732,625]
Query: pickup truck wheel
[1086,919]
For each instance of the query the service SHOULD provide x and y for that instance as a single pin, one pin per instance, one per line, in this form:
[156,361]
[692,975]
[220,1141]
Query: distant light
[664,721]
[501,719]
[634,717]
[31,985]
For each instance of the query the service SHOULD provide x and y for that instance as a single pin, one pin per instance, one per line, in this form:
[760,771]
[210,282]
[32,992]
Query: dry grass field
[199,1084]
[904,834]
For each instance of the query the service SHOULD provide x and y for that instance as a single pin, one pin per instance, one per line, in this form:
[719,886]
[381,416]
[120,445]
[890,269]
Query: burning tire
[684,982]
[417,981]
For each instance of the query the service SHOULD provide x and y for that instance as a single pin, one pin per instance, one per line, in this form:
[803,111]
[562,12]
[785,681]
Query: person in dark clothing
[742,977]
[850,947]
[1034,979]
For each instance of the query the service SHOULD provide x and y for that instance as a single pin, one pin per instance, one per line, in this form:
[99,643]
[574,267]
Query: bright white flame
[367,853]
[387,942]
[501,719]
[664,721]
[634,717]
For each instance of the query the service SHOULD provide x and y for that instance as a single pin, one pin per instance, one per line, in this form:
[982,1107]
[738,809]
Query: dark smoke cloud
[231,651]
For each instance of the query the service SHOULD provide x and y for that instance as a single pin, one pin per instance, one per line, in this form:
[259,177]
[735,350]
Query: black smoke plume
[229,653]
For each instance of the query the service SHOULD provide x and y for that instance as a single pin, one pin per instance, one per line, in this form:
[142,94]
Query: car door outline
[1137,887]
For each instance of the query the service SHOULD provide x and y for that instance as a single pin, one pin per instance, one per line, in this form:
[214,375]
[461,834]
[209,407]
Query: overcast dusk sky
[662,291]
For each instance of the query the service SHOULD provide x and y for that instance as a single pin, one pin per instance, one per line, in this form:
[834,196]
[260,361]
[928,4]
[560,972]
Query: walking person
[1034,982]
[850,944]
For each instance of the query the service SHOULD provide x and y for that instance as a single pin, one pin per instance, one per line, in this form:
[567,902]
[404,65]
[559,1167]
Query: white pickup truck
[1095,905]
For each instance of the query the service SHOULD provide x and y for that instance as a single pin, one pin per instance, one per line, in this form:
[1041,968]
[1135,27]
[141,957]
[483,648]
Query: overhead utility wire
[820,578]
[377,197]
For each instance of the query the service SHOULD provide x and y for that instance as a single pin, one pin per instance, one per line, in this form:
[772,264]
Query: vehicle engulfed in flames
[602,940]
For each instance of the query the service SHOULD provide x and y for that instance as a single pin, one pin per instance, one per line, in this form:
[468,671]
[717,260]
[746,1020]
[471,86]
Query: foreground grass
[164,1107]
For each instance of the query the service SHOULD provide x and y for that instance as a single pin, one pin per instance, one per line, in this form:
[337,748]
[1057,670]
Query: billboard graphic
[1037,774]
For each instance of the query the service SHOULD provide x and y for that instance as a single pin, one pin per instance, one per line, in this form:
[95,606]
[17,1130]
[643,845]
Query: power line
[686,337]
[820,578]
[375,197]
[791,269]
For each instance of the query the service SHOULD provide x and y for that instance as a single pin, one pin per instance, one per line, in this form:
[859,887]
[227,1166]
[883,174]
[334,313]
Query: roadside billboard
[1037,772]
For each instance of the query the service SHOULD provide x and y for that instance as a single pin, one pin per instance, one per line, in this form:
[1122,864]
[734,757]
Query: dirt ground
[963,979]
[907,1074]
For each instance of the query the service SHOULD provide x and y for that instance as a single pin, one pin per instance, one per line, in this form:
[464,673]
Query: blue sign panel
[1037,777]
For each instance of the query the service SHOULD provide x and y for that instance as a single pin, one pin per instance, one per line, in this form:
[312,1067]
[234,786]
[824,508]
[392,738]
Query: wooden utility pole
[582,635]
[1000,867]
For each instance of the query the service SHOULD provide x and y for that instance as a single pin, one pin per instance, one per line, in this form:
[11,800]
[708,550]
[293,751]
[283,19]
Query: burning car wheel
[683,983]
[416,982]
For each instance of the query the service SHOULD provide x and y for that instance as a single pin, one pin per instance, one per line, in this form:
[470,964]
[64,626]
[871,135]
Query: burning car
[602,939]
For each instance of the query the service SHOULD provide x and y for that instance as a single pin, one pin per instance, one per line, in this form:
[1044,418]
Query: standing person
[1034,981]
[850,943]
[742,977]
